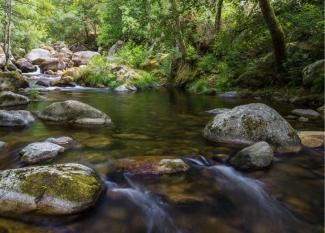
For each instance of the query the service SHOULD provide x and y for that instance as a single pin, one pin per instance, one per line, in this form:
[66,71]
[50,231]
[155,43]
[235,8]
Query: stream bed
[209,198]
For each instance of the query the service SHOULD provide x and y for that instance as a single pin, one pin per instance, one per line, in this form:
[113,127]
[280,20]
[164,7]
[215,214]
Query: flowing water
[208,198]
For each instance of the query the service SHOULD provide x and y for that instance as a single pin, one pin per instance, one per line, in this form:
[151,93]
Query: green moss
[251,125]
[72,187]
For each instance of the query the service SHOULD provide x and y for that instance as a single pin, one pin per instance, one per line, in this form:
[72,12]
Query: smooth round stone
[312,139]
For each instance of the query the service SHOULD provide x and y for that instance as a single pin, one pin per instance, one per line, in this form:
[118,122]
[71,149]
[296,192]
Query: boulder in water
[217,111]
[251,123]
[39,152]
[65,81]
[50,190]
[309,113]
[74,112]
[257,156]
[25,66]
[8,98]
[150,165]
[125,88]
[12,81]
[83,57]
[15,118]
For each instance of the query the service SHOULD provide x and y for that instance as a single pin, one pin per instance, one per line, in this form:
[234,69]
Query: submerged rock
[257,156]
[61,141]
[15,118]
[8,98]
[40,151]
[218,111]
[309,113]
[50,190]
[247,124]
[74,112]
[312,139]
[151,165]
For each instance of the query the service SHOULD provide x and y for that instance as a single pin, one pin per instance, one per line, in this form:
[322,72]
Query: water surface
[205,199]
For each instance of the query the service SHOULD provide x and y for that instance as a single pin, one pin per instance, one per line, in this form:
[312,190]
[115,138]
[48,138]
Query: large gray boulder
[254,157]
[8,98]
[247,124]
[15,118]
[74,112]
[40,151]
[38,56]
[83,57]
[49,190]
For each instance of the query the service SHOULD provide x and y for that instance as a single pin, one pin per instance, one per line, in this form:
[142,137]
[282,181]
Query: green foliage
[318,84]
[146,81]
[201,86]
[97,74]
[135,55]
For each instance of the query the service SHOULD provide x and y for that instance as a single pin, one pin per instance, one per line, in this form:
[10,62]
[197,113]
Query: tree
[275,31]
[217,22]
[178,30]
[7,31]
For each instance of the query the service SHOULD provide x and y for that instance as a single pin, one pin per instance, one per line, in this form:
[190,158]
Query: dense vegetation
[204,46]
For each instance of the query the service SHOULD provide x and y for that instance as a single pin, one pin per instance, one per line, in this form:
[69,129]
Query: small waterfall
[257,205]
[158,220]
[35,73]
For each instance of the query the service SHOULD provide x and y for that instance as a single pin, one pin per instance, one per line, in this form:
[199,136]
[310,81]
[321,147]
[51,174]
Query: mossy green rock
[254,157]
[12,81]
[251,123]
[49,190]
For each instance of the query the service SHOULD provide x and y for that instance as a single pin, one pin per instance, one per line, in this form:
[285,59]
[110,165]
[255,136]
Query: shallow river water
[210,198]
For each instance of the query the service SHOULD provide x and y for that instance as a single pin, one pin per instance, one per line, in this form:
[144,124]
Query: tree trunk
[178,31]
[217,21]
[275,31]
[7,32]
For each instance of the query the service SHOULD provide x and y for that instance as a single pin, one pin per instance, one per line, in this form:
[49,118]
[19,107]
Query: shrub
[135,55]
[97,74]
[201,86]
[146,81]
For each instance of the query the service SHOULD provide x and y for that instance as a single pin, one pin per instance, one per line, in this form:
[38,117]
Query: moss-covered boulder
[15,118]
[75,113]
[12,81]
[8,98]
[150,165]
[254,157]
[251,123]
[50,190]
